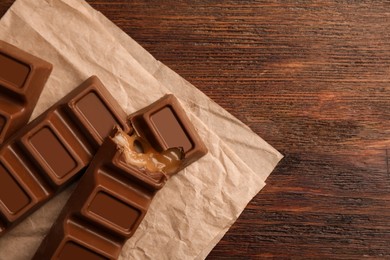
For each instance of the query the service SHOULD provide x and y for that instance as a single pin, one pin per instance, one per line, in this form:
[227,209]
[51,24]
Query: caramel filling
[141,154]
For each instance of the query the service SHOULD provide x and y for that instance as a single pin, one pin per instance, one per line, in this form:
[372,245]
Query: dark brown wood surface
[313,79]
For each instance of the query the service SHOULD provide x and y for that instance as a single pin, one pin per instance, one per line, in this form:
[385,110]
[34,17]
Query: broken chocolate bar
[22,77]
[110,201]
[46,155]
[114,194]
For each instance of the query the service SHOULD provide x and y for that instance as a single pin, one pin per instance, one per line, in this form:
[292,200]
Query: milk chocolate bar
[165,125]
[107,206]
[46,155]
[22,77]
[114,194]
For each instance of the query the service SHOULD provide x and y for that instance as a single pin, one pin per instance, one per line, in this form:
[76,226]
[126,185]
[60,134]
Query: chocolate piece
[110,201]
[165,125]
[47,154]
[22,77]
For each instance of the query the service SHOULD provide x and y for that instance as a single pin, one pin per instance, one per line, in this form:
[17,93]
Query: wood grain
[313,79]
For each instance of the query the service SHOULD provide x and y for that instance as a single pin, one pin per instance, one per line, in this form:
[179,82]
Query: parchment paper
[197,206]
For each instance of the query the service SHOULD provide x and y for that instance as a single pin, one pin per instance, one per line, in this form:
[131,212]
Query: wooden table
[313,79]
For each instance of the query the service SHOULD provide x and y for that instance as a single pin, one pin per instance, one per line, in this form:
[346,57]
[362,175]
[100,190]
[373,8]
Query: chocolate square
[22,77]
[165,125]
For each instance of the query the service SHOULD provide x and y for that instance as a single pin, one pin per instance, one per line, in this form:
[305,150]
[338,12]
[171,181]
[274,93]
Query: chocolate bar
[114,194]
[108,205]
[22,77]
[165,125]
[46,155]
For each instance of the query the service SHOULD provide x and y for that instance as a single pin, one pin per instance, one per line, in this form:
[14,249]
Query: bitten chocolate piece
[165,125]
[110,201]
[47,154]
[22,77]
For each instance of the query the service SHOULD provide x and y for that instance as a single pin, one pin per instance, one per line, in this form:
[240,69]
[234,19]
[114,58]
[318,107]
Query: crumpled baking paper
[196,207]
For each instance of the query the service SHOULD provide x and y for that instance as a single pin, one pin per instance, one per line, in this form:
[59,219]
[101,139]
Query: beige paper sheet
[197,206]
